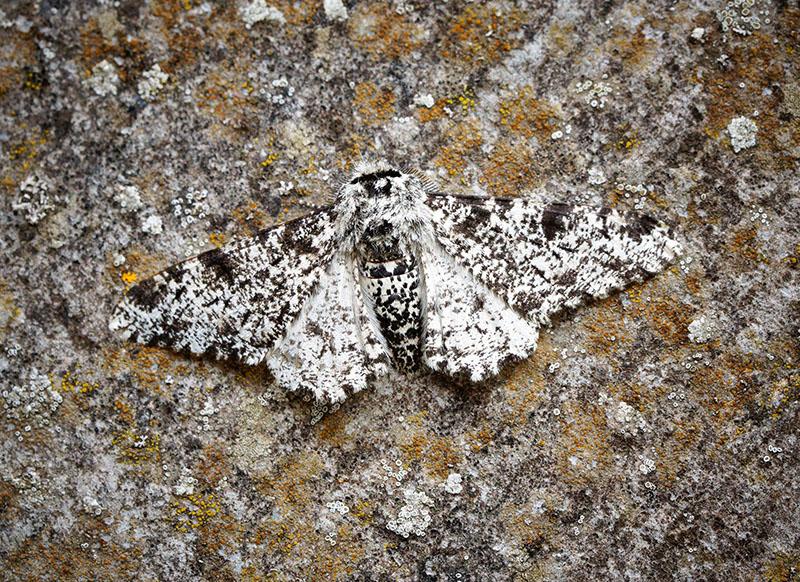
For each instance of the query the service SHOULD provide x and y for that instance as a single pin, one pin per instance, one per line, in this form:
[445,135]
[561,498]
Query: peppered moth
[394,274]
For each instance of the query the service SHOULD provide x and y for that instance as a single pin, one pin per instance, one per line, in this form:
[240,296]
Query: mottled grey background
[652,436]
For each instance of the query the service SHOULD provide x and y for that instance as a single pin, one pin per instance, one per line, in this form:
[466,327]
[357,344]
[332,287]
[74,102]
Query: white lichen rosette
[743,133]
[414,517]
[152,83]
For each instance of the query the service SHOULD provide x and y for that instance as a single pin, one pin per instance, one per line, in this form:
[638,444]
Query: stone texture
[135,133]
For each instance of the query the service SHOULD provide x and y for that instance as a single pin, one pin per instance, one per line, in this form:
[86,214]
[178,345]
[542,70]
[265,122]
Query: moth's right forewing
[237,301]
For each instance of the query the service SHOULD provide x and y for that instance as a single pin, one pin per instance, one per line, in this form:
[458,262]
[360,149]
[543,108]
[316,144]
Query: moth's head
[374,181]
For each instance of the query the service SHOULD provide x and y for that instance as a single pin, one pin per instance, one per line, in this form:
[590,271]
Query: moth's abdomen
[394,289]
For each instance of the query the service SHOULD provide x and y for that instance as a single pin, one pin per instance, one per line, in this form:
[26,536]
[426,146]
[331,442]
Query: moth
[393,274]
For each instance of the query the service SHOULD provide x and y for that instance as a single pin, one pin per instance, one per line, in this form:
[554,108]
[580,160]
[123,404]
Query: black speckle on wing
[220,265]
[554,221]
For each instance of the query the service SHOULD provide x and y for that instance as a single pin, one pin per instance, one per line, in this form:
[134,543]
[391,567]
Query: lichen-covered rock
[653,434]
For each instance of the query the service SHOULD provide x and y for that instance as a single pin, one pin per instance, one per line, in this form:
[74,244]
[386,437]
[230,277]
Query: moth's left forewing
[234,302]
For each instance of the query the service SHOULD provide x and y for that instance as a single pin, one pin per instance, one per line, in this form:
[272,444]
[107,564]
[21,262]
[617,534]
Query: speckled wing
[334,347]
[541,259]
[470,331]
[235,302]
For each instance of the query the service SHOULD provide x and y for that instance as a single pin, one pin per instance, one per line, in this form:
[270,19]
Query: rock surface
[653,435]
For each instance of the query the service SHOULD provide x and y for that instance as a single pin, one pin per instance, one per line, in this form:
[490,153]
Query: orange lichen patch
[779,395]
[509,170]
[606,329]
[251,217]
[524,383]
[462,139]
[95,48]
[220,532]
[562,37]
[377,29]
[10,78]
[124,411]
[186,45]
[331,429]
[137,449]
[290,483]
[635,49]
[9,310]
[192,511]
[739,89]
[480,439]
[375,106]
[438,455]
[129,277]
[745,244]
[413,447]
[8,497]
[213,465]
[297,14]
[531,531]
[149,366]
[524,114]
[723,389]
[227,95]
[639,396]
[483,34]
[170,11]
[782,567]
[666,317]
[584,450]
[441,456]
[338,564]
[66,560]
[694,283]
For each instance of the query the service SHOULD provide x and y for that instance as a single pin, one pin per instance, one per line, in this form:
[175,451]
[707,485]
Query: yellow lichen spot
[375,106]
[628,139]
[362,511]
[217,239]
[271,158]
[73,385]
[135,448]
[194,510]
[129,277]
